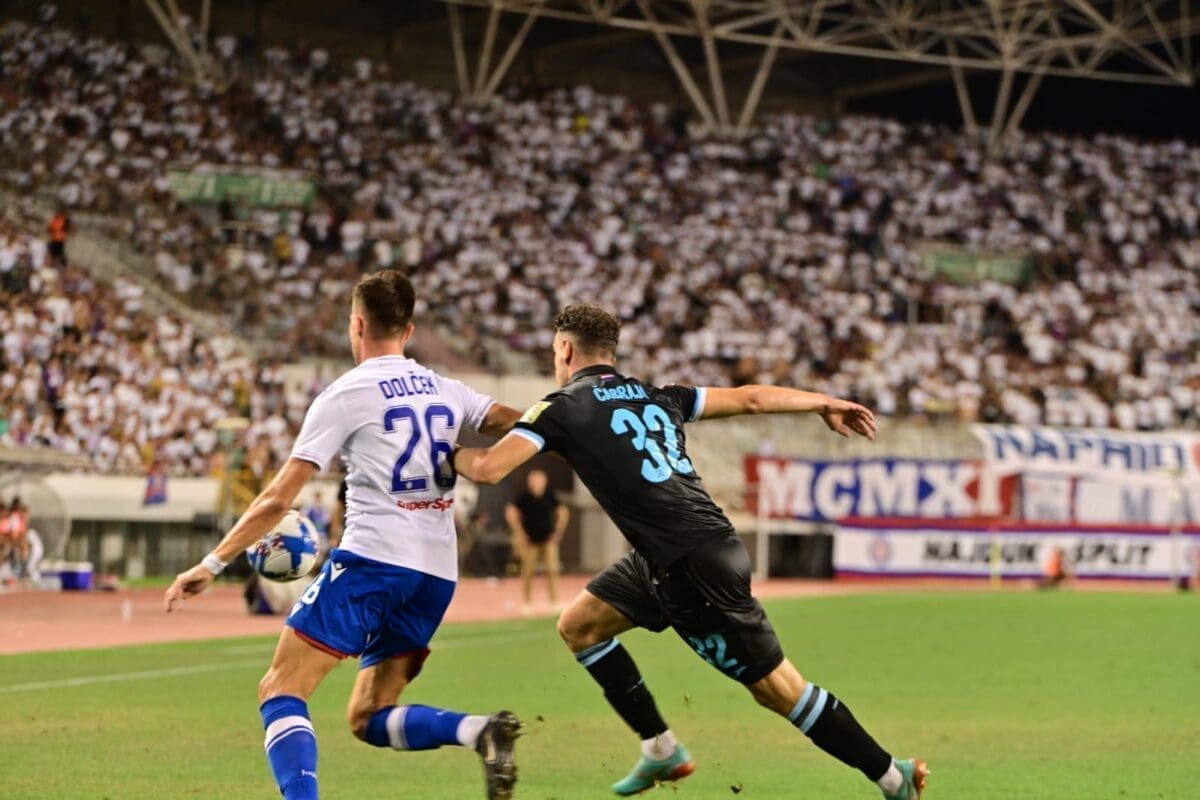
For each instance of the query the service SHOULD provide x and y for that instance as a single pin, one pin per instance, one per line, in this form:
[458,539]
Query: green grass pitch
[1008,695]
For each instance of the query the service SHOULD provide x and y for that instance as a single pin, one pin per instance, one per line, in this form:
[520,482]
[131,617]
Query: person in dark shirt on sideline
[538,522]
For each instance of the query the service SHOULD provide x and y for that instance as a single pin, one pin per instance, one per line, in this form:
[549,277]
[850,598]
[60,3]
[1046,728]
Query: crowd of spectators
[794,255]
[87,371]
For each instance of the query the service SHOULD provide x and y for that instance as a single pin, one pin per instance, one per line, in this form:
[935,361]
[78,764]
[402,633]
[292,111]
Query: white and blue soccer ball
[289,551]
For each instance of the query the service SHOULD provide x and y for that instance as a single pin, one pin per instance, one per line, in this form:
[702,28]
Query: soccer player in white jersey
[384,590]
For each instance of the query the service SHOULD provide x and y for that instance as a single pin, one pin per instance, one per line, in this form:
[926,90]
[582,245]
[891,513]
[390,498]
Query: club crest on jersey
[534,412]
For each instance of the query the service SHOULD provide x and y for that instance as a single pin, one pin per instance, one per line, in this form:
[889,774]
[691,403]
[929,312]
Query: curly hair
[593,329]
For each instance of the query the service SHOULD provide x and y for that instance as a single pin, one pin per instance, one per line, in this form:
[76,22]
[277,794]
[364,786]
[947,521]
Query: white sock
[892,781]
[660,747]
[469,729]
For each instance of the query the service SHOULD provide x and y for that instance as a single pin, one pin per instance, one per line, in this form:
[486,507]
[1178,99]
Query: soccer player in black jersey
[688,569]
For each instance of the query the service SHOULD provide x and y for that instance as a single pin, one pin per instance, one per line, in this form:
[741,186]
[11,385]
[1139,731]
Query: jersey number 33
[654,434]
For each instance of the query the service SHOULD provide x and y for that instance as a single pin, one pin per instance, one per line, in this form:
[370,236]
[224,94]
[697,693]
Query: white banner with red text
[821,491]
[982,548]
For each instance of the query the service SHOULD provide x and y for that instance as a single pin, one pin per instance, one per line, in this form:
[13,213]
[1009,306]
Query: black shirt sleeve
[542,423]
[688,401]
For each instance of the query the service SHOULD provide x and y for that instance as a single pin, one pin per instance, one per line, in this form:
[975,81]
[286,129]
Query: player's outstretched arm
[493,464]
[499,420]
[262,515]
[841,416]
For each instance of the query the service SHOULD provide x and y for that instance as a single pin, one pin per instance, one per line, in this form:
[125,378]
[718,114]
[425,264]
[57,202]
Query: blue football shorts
[361,607]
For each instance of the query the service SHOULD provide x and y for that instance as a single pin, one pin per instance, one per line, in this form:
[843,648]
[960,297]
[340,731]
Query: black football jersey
[625,440]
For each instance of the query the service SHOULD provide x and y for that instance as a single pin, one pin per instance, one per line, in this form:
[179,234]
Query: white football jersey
[395,423]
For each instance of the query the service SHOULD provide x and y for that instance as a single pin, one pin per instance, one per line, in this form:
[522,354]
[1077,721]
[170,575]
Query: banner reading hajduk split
[1093,476]
[983,548]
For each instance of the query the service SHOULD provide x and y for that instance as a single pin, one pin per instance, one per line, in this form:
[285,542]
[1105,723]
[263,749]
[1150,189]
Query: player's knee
[764,695]
[268,687]
[778,695]
[359,718]
[577,630]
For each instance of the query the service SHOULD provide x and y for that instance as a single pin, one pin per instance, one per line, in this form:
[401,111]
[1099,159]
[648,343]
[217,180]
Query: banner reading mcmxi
[977,548]
[821,491]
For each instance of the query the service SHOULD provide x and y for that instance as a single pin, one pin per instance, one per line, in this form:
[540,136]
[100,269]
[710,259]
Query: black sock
[613,668]
[824,719]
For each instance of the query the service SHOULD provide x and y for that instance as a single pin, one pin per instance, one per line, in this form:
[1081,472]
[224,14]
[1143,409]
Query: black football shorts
[705,597]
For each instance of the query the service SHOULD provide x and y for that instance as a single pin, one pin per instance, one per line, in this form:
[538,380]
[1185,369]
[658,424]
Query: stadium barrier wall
[114,527]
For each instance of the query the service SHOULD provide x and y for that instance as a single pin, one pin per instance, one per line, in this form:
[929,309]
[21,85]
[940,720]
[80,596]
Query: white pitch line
[452,643]
[195,669]
[116,677]
[250,649]
[487,638]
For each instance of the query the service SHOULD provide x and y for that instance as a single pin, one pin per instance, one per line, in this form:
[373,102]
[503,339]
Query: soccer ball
[288,552]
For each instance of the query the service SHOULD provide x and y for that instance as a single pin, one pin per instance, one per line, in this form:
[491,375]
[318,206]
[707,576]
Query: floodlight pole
[167,14]
[461,69]
[754,96]
[205,19]
[487,79]
[996,135]
[485,53]
[1033,83]
[681,69]
[715,78]
[964,96]
[506,60]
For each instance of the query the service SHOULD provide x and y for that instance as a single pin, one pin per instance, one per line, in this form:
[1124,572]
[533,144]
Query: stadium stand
[84,370]
[797,255]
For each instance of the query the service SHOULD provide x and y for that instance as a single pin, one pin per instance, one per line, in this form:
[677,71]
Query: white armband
[213,564]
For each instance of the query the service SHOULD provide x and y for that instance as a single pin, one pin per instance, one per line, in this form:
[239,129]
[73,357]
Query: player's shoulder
[688,401]
[556,398]
[379,369]
[339,385]
[672,389]
[367,375]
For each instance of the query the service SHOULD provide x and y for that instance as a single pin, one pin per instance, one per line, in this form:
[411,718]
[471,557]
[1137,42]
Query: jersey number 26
[440,450]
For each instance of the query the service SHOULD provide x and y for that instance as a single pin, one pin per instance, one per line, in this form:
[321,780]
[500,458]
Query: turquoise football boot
[650,772]
[915,773]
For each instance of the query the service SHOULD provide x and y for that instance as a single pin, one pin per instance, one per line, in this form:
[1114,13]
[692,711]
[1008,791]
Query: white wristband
[213,564]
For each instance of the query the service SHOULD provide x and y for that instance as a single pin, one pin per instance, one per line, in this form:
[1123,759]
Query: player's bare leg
[376,688]
[589,627]
[587,621]
[375,718]
[527,552]
[550,559]
[296,670]
[831,726]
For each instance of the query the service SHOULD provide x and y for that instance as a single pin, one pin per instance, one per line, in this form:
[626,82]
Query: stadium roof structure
[725,52]
[1140,41]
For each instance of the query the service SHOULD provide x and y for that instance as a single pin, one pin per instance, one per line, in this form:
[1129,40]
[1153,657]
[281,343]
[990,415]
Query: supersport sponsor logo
[441,504]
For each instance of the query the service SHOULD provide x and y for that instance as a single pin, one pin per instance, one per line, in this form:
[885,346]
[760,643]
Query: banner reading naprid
[884,487]
[1095,476]
[1015,448]
[923,548]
